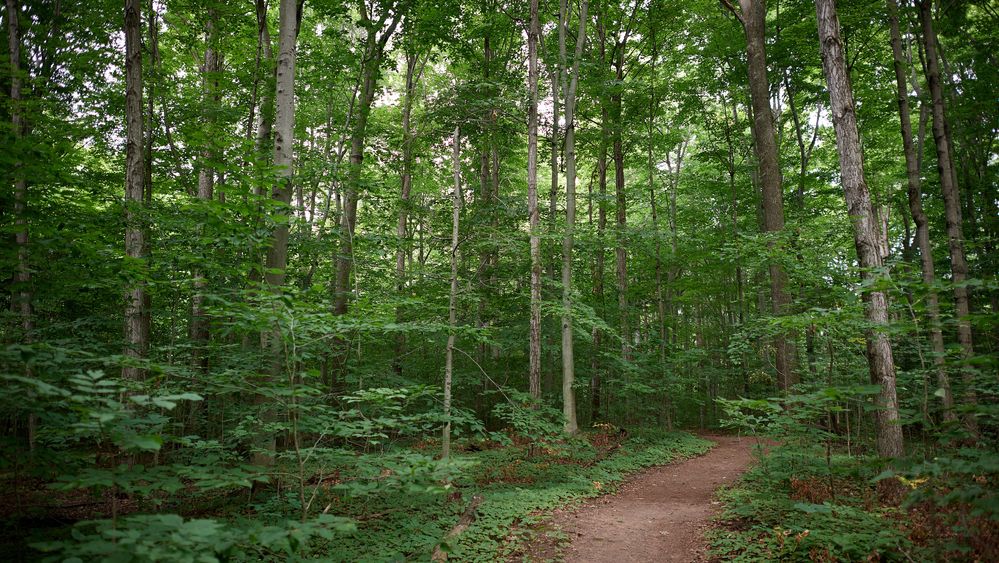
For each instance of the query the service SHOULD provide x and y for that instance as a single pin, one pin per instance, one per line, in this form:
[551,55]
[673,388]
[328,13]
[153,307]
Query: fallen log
[463,523]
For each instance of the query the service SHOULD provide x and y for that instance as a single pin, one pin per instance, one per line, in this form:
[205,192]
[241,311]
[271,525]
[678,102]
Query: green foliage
[811,496]
[169,537]
[262,416]
[517,490]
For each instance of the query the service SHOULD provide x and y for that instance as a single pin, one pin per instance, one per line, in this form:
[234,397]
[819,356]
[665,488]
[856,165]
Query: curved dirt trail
[660,514]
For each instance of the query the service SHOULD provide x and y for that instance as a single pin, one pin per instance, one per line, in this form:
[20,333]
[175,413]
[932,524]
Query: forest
[412,280]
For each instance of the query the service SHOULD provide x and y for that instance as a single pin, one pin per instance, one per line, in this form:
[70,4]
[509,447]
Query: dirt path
[659,515]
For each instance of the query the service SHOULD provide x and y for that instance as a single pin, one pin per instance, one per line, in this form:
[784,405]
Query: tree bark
[916,210]
[414,69]
[453,296]
[265,125]
[206,186]
[753,15]
[373,53]
[570,83]
[534,374]
[621,208]
[598,268]
[136,336]
[952,207]
[452,308]
[276,260]
[284,130]
[865,227]
[21,304]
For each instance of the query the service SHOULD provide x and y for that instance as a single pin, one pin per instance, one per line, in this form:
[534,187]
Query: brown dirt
[660,514]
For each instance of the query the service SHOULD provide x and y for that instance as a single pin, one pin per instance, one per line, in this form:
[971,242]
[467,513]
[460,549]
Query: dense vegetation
[322,279]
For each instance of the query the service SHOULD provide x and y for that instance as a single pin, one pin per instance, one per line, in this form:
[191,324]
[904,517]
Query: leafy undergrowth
[517,489]
[783,511]
[815,495]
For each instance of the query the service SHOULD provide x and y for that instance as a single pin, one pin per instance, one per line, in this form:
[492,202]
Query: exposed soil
[660,514]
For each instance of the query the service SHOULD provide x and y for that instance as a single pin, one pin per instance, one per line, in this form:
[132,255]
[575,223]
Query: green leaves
[171,538]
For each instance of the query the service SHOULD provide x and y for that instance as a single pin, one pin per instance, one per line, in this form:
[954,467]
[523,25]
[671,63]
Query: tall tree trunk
[284,131]
[276,260]
[485,201]
[553,142]
[206,186]
[265,125]
[150,127]
[598,268]
[136,336]
[916,209]
[570,82]
[621,199]
[374,51]
[21,302]
[652,171]
[413,71]
[952,206]
[865,227]
[452,308]
[753,15]
[534,375]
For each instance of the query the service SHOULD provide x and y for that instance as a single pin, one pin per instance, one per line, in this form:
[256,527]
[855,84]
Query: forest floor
[660,514]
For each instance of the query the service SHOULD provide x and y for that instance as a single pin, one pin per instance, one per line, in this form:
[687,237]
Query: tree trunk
[570,82]
[265,125]
[21,304]
[621,198]
[916,209]
[598,268]
[753,17]
[413,72]
[136,337]
[653,204]
[284,129]
[206,185]
[865,228]
[533,32]
[22,295]
[374,51]
[453,296]
[952,207]
[276,261]
[485,202]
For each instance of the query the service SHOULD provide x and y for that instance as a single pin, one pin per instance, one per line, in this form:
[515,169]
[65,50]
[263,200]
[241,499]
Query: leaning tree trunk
[534,375]
[952,206]
[136,337]
[865,228]
[916,209]
[570,83]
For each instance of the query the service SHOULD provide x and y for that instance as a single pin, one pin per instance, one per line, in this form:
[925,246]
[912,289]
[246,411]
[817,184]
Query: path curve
[659,515]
